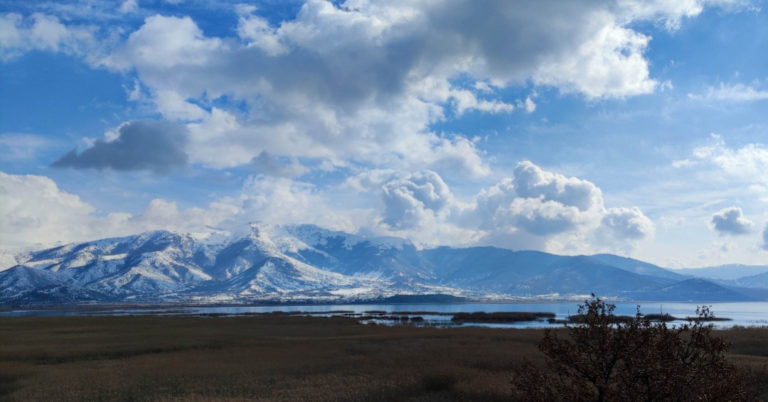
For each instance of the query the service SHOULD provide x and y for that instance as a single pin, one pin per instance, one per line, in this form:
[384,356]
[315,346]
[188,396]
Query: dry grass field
[273,358]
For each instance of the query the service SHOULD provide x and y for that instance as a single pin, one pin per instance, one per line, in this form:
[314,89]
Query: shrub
[605,359]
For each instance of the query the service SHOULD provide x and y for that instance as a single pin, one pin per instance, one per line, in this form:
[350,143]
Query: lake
[748,314]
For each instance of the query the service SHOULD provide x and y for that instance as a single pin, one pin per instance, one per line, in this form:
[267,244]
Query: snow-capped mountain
[307,262]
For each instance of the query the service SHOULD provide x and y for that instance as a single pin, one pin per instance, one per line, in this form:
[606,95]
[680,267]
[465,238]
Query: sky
[631,127]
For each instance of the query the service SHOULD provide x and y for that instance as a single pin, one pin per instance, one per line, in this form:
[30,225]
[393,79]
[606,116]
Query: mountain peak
[309,262]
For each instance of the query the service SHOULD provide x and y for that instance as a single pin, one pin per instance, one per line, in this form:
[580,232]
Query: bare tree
[609,358]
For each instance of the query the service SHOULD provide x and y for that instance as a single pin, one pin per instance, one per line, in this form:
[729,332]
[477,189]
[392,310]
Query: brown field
[275,358]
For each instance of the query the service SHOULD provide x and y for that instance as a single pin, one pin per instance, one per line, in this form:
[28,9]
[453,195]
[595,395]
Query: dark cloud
[365,80]
[153,145]
[729,221]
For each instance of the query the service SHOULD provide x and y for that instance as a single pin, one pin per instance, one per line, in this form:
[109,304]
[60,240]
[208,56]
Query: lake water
[747,314]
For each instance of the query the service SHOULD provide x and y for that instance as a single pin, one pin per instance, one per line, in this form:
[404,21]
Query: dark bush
[605,359]
[500,317]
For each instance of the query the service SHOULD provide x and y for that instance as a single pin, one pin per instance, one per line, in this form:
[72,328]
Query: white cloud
[746,164]
[529,105]
[534,208]
[414,200]
[364,81]
[609,63]
[285,201]
[538,216]
[545,210]
[129,6]
[537,202]
[552,213]
[36,212]
[466,100]
[733,93]
[174,106]
[531,181]
[627,223]
[730,221]
[670,12]
[165,43]
[667,12]
[255,31]
[19,34]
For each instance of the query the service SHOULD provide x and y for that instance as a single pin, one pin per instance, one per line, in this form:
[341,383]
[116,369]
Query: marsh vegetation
[276,357]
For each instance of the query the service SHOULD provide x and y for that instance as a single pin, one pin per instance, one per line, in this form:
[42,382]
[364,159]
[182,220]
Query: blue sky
[630,127]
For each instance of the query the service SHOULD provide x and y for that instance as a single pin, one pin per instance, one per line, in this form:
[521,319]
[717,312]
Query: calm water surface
[743,314]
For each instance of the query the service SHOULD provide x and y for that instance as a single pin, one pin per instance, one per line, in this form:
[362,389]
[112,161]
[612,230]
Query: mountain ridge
[306,262]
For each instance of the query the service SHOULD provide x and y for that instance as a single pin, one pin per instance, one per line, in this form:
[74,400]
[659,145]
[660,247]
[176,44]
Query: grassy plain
[274,358]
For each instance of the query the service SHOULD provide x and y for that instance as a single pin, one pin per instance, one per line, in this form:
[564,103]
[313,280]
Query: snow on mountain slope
[19,278]
[307,262]
[388,258]
[154,262]
[270,262]
[10,258]
[161,264]
[278,276]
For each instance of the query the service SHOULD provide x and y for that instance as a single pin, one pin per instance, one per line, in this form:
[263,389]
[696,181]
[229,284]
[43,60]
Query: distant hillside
[724,272]
[309,263]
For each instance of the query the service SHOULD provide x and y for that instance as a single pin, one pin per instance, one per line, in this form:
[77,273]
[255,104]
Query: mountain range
[309,263]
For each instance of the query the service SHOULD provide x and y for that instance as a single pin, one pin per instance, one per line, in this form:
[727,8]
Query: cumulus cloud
[608,63]
[365,80]
[538,216]
[36,212]
[414,199]
[419,206]
[164,43]
[627,223]
[730,221]
[534,208]
[139,145]
[536,201]
[531,181]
